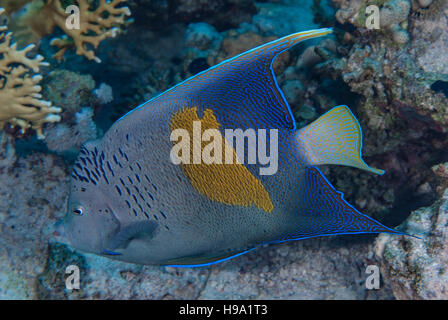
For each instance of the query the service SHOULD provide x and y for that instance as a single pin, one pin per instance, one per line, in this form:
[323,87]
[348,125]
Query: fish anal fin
[334,138]
[324,212]
[203,260]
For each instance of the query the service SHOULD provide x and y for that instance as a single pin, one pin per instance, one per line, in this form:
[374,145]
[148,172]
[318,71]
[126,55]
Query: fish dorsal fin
[242,91]
[334,138]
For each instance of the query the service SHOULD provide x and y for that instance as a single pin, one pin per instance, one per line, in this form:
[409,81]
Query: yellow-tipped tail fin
[334,138]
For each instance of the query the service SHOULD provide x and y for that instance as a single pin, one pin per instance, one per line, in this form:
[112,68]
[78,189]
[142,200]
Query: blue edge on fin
[290,113]
[276,242]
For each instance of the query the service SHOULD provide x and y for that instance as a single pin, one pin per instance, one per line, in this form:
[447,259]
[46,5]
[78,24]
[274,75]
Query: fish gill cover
[390,73]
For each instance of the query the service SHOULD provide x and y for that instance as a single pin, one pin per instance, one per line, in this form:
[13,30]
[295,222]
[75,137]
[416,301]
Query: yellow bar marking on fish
[232,183]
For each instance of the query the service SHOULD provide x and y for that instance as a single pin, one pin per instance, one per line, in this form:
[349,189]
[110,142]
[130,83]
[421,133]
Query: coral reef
[95,24]
[394,93]
[393,16]
[33,194]
[71,135]
[283,17]
[394,79]
[407,118]
[417,268]
[77,95]
[68,89]
[21,103]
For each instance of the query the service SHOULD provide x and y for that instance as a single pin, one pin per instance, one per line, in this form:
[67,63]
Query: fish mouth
[59,233]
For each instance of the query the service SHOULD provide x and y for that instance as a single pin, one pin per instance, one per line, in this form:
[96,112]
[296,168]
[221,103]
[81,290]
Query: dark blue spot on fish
[95,176]
[87,172]
[110,169]
[163,214]
[118,190]
[104,175]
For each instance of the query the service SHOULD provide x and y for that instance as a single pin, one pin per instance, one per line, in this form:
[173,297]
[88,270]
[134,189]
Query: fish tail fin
[334,138]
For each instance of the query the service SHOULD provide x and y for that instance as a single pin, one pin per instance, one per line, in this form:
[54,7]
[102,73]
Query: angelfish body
[129,201]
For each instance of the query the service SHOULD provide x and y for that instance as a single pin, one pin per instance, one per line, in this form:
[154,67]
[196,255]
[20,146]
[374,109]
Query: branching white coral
[97,21]
[21,103]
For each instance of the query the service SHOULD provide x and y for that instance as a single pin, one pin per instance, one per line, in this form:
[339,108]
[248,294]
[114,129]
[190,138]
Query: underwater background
[69,86]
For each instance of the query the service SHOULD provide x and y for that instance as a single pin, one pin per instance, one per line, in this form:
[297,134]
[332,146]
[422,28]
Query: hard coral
[20,98]
[96,23]
[393,16]
[94,27]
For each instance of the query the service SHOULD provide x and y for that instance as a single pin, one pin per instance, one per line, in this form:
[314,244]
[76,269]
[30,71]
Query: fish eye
[78,210]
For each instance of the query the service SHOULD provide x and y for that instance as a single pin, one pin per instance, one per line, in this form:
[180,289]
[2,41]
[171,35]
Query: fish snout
[59,232]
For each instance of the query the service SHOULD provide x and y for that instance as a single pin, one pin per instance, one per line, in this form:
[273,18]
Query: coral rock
[417,268]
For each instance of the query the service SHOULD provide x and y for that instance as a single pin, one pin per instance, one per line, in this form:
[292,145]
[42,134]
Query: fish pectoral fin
[137,230]
[334,138]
